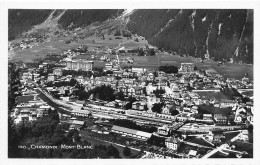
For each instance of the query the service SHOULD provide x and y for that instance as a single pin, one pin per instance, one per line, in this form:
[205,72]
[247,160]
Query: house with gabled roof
[172,143]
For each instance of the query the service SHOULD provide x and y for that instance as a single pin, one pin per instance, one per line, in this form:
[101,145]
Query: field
[228,70]
[208,109]
[236,71]
[59,45]
[213,95]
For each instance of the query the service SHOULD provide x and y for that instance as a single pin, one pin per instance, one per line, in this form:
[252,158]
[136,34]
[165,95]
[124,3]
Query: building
[245,80]
[109,66]
[172,143]
[77,124]
[26,75]
[24,116]
[164,130]
[138,106]
[29,108]
[57,71]
[187,67]
[131,132]
[51,77]
[79,112]
[227,103]
[207,116]
[220,119]
[139,70]
[79,64]
[150,88]
[184,80]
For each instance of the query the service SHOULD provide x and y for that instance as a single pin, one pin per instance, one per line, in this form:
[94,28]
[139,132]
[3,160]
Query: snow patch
[195,47]
[167,24]
[127,12]
[192,19]
[204,19]
[125,15]
[242,33]
[236,51]
[50,16]
[219,27]
[207,41]
[193,13]
[192,25]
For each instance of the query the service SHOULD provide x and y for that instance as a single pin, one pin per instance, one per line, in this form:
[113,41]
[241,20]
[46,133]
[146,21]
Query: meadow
[228,70]
[213,95]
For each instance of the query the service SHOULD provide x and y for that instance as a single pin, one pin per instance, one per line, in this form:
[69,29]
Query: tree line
[184,36]
[48,132]
[132,125]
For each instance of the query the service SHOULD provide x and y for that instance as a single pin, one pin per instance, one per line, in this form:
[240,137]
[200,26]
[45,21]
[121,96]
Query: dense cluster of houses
[142,84]
[28,41]
[150,88]
[29,107]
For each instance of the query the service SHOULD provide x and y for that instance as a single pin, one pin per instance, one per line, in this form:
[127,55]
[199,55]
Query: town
[162,111]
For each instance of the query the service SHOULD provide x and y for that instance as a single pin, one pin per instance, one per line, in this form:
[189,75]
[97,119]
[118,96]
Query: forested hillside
[221,34]
[21,20]
[80,18]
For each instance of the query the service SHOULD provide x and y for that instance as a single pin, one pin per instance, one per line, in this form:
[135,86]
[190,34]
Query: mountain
[81,18]
[220,34]
[21,20]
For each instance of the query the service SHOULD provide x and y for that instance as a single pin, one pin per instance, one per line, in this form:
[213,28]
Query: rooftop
[24,99]
[77,122]
[131,131]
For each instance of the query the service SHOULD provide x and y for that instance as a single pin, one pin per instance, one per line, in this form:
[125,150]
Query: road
[223,149]
[59,102]
[50,102]
[207,90]
[244,90]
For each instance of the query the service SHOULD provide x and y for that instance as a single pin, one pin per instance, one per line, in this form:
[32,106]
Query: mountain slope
[216,33]
[221,34]
[21,20]
[81,18]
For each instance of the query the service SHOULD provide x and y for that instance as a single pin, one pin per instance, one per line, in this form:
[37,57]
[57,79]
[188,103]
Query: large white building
[79,64]
[187,67]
